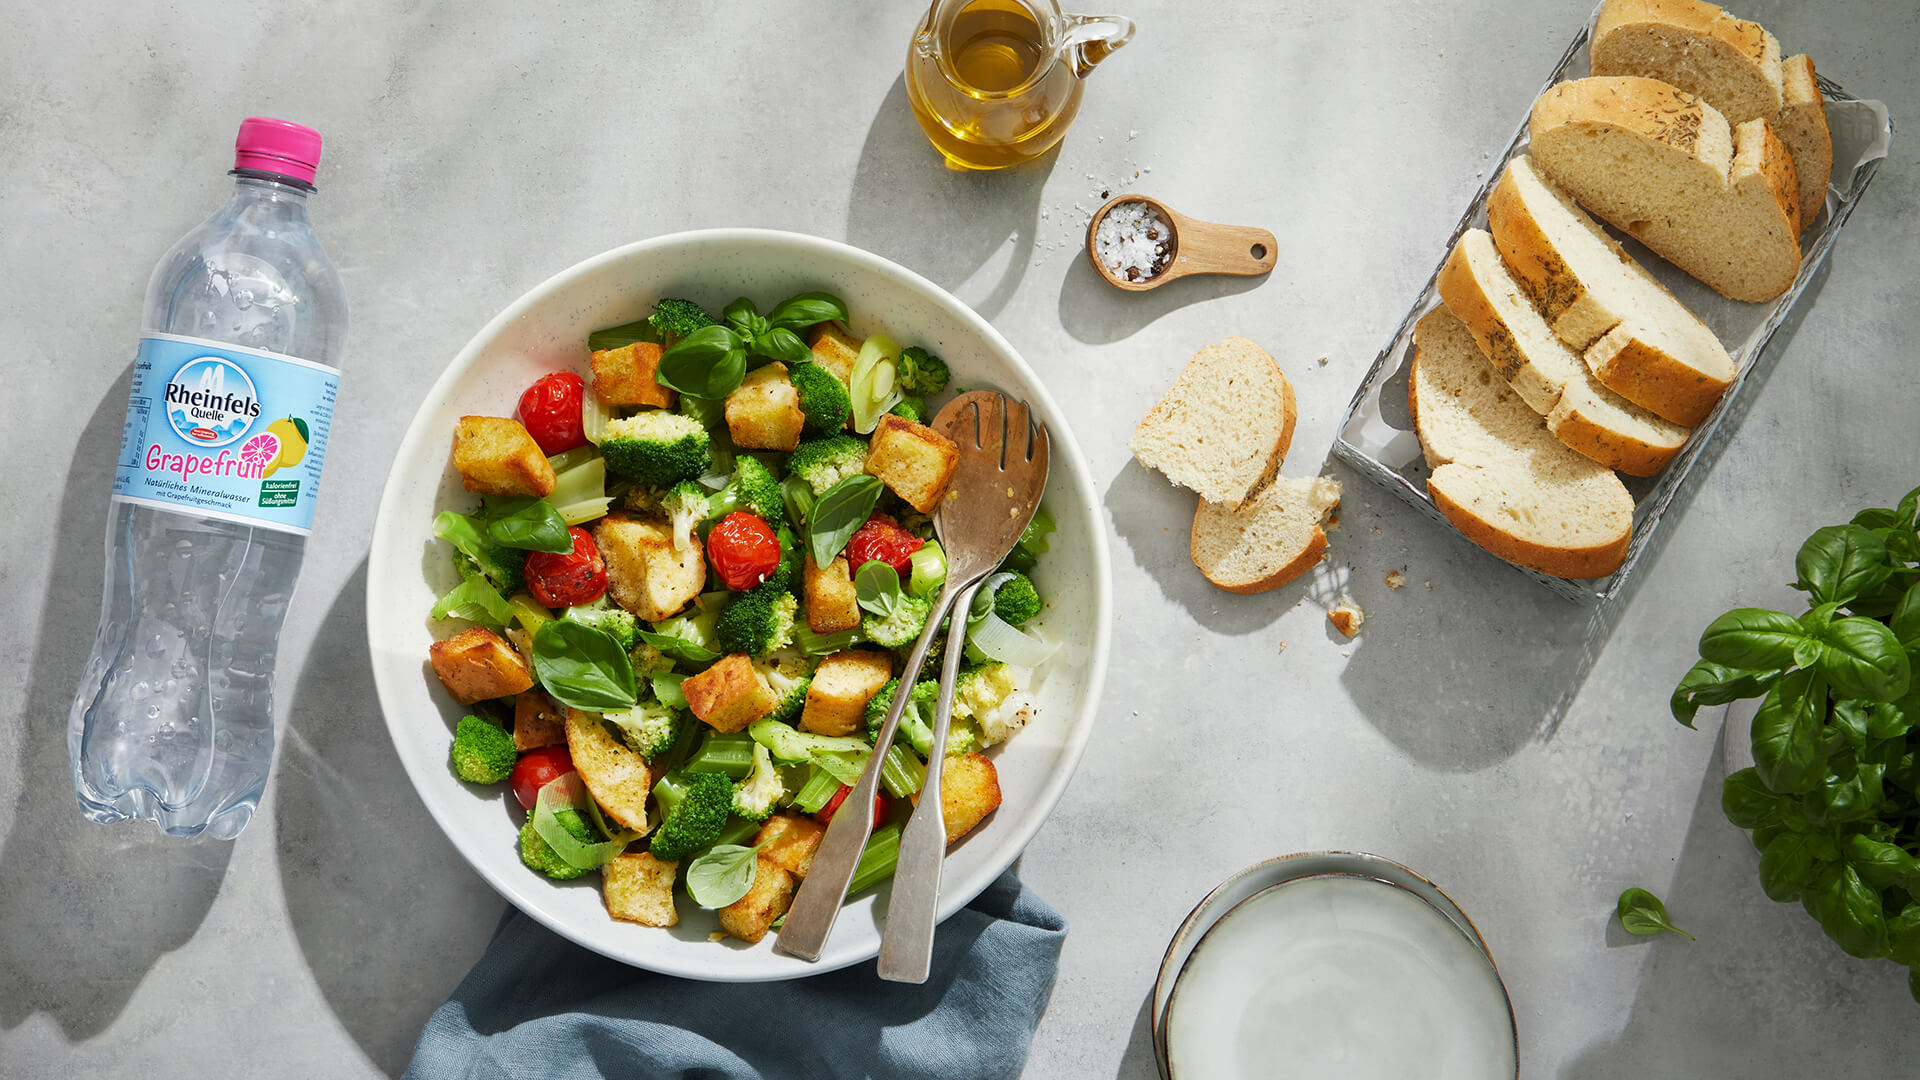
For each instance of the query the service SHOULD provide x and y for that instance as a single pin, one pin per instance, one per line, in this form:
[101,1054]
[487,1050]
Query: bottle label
[225,432]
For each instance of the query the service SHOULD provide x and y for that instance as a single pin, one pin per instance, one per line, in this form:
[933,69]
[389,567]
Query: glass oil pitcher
[997,82]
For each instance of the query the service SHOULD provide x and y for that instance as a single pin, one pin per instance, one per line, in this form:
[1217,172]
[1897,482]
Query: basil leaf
[1786,735]
[1704,684]
[531,525]
[679,648]
[744,317]
[836,514]
[708,363]
[1847,798]
[1787,865]
[1909,507]
[1840,562]
[1905,620]
[1752,638]
[583,667]
[1863,659]
[876,587]
[1903,936]
[1642,913]
[1879,864]
[807,309]
[615,337]
[1748,803]
[722,874]
[1850,912]
[782,344]
[1850,719]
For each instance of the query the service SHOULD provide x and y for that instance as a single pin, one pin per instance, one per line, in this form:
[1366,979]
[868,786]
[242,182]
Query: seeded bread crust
[1223,426]
[1803,128]
[1733,63]
[1662,165]
[1271,540]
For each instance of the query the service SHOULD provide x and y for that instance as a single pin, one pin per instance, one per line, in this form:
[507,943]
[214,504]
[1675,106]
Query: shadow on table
[86,910]
[1096,313]
[1138,1062]
[387,913]
[1762,992]
[948,224]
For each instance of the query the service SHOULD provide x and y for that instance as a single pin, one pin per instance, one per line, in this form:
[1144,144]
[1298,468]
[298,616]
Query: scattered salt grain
[1132,241]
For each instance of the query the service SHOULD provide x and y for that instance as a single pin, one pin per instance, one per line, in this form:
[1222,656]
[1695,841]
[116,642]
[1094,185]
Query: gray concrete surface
[474,149]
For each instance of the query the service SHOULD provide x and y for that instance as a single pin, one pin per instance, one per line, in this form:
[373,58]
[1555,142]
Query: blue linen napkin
[539,1005]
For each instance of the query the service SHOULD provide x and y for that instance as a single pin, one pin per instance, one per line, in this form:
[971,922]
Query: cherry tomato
[563,580]
[882,538]
[742,550]
[550,409]
[882,806]
[536,769]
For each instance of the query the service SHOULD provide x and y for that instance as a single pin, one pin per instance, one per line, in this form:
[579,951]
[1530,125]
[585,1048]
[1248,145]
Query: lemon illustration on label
[292,433]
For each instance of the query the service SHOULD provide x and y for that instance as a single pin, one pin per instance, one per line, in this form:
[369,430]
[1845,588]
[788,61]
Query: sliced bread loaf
[1498,475]
[1721,203]
[1803,128]
[1554,382]
[1223,425]
[1659,355]
[1271,539]
[1732,63]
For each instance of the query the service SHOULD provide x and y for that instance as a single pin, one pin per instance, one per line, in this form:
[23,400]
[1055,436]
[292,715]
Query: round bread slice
[1733,63]
[1223,425]
[1273,538]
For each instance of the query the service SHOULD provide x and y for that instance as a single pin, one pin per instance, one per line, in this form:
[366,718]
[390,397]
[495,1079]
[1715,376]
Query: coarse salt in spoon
[1139,243]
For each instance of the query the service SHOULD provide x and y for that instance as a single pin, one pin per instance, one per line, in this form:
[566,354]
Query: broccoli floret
[483,752]
[1016,600]
[477,553]
[922,374]
[912,408]
[694,626]
[791,746]
[787,575]
[657,447]
[921,700]
[618,623]
[755,797]
[823,400]
[650,727]
[686,507]
[644,499]
[675,319]
[539,855]
[961,737]
[899,628]
[789,674]
[649,661]
[694,809]
[823,463]
[987,697]
[759,622]
[752,488]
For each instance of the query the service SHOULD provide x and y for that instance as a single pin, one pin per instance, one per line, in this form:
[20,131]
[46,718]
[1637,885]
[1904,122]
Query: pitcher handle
[1088,39]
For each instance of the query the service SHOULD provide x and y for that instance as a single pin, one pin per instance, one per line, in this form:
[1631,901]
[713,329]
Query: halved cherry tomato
[882,806]
[550,410]
[742,550]
[883,539]
[561,580]
[536,769]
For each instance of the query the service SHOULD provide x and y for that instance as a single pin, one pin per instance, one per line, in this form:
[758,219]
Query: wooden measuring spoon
[1196,247]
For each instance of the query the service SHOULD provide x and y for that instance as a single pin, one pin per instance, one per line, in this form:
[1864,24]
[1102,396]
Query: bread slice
[1498,475]
[1732,63]
[1658,355]
[1273,538]
[1223,425]
[1802,127]
[1554,382]
[1720,203]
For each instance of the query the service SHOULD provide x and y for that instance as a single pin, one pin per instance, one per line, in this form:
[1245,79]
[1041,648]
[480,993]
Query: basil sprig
[836,514]
[722,874]
[711,362]
[679,647]
[1642,913]
[527,523]
[1833,797]
[584,667]
[876,588]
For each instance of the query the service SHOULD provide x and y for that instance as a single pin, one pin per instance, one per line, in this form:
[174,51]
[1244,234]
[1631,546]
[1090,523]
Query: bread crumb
[1322,361]
[1346,617]
[1283,646]
[1333,523]
[1429,586]
[1395,579]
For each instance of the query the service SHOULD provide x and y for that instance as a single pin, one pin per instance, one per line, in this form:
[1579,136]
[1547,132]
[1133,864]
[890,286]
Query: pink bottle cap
[277,146]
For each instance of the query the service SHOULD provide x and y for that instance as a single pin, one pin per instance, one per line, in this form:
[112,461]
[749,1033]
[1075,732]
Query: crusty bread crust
[1271,540]
[1803,128]
[1578,315]
[1586,430]
[1596,560]
[1695,46]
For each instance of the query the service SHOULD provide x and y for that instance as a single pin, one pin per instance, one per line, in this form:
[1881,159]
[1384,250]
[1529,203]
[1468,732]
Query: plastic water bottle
[213,493]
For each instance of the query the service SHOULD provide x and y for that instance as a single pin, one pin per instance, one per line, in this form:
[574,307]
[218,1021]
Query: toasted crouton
[764,414]
[616,776]
[969,791]
[628,375]
[477,664]
[749,917]
[835,349]
[832,604]
[842,685]
[537,721]
[645,574]
[496,456]
[729,695]
[639,888]
[912,459]
[790,840]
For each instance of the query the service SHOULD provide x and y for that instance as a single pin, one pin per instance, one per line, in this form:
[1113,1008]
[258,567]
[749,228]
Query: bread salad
[688,582]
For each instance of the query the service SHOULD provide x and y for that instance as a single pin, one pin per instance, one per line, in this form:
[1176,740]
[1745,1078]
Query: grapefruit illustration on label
[260,451]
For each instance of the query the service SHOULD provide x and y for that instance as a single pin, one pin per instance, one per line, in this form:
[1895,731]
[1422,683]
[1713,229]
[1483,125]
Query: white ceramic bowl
[547,330]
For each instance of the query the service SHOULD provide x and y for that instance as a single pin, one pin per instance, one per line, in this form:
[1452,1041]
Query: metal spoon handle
[815,907]
[906,943]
